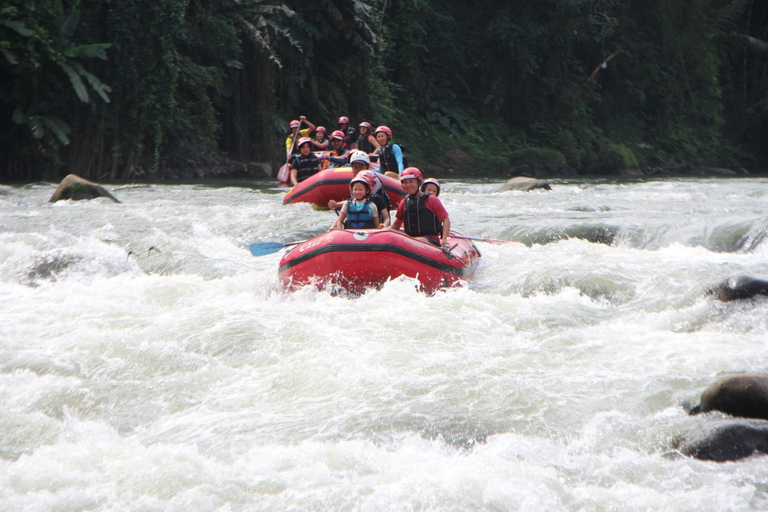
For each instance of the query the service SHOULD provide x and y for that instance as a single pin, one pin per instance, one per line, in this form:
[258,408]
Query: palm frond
[77,82]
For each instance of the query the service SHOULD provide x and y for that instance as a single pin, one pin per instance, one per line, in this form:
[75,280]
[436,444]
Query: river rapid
[148,362]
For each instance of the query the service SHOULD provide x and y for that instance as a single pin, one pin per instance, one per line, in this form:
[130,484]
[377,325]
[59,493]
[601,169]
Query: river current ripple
[183,378]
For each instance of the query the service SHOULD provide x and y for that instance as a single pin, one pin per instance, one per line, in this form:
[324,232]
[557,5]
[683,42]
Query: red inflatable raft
[367,258]
[334,184]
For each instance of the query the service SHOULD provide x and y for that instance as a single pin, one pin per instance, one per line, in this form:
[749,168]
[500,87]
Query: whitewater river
[183,378]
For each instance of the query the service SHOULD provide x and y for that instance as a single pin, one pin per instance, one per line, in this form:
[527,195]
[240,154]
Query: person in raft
[338,157]
[390,154]
[290,149]
[431,186]
[358,212]
[360,163]
[366,141]
[320,142]
[350,134]
[305,164]
[423,215]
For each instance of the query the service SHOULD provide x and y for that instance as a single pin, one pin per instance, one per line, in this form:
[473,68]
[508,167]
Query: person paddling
[290,148]
[358,212]
[422,215]
[391,160]
[305,164]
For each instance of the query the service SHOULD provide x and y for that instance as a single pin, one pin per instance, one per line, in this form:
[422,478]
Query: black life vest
[420,220]
[363,144]
[350,137]
[305,166]
[381,204]
[358,216]
[387,160]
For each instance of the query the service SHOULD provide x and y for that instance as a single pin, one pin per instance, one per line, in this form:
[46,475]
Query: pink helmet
[432,181]
[410,173]
[321,129]
[361,179]
[302,141]
[368,175]
[337,134]
[295,124]
[366,124]
[384,129]
[343,120]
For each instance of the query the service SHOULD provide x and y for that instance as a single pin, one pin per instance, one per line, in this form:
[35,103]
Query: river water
[183,378]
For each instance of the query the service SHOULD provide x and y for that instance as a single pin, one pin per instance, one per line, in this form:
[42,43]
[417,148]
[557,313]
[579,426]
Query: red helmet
[410,173]
[432,181]
[384,129]
[295,123]
[302,141]
[320,129]
[361,179]
[343,120]
[366,124]
[338,134]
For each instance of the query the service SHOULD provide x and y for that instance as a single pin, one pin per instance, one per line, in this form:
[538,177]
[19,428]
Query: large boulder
[75,187]
[739,287]
[525,184]
[726,440]
[744,396]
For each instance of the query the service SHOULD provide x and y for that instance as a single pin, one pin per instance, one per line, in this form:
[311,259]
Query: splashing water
[149,362]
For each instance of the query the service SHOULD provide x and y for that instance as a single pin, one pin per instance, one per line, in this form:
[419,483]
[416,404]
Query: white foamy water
[183,378]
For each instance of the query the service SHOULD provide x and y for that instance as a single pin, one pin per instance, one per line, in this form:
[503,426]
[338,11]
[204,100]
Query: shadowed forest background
[164,89]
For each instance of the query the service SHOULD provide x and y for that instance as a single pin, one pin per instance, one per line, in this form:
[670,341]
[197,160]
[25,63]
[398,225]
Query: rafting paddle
[489,240]
[283,175]
[265,248]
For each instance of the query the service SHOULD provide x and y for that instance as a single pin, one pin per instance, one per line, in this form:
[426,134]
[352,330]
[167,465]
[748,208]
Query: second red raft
[334,184]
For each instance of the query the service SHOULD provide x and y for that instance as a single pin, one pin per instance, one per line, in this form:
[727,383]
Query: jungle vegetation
[156,89]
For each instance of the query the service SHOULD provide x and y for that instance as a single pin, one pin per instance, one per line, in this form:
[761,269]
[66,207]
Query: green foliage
[556,85]
[538,161]
[614,159]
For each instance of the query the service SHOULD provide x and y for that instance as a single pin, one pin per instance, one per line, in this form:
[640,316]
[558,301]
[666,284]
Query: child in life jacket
[431,186]
[360,163]
[358,212]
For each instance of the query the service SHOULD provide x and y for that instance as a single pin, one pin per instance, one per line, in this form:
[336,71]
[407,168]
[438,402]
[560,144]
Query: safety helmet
[364,181]
[368,175]
[410,173]
[359,156]
[343,120]
[295,124]
[384,129]
[433,181]
[321,129]
[337,134]
[302,141]
[366,124]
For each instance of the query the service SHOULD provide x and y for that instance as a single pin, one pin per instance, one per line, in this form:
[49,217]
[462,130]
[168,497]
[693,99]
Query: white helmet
[359,156]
